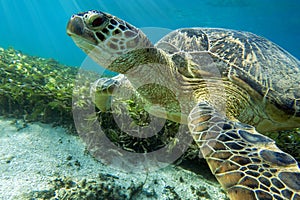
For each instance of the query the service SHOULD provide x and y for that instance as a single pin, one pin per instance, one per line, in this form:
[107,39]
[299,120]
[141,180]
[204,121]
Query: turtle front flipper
[247,164]
[104,88]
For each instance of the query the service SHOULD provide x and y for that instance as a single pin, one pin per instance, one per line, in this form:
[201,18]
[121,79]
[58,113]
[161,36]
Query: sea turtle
[226,85]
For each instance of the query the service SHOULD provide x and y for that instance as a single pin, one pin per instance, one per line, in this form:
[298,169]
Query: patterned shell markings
[263,65]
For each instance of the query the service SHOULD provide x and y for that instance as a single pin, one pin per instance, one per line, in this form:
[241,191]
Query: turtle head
[104,37]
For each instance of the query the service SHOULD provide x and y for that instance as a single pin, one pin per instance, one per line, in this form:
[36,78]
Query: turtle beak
[77,31]
[75,26]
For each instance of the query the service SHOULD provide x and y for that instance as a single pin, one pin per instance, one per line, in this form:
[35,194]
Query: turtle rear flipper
[246,163]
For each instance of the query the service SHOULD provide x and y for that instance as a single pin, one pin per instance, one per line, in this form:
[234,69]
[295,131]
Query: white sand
[33,156]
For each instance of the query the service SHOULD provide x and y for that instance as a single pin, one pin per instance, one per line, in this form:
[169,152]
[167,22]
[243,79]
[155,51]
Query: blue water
[37,27]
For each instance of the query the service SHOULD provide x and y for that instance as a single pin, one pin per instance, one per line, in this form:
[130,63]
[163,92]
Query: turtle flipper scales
[247,164]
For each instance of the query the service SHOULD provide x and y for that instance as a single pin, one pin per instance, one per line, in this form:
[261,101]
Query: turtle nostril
[97,22]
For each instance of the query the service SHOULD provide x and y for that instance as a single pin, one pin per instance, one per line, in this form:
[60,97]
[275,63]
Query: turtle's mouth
[77,30]
[75,26]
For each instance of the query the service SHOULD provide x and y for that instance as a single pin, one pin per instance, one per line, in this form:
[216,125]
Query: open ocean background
[38,27]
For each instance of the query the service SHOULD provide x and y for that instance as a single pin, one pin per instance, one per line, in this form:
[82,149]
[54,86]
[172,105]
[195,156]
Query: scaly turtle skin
[226,85]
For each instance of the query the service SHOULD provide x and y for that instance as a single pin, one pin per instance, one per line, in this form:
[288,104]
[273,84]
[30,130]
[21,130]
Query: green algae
[288,141]
[36,89]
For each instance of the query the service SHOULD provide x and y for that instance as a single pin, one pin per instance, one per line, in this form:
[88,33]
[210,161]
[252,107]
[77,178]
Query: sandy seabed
[32,155]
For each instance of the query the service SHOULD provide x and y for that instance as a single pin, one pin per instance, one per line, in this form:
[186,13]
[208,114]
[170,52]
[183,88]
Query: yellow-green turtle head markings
[104,37]
[193,72]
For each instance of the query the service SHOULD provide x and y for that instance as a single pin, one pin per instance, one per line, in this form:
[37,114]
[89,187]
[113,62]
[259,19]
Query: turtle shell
[259,63]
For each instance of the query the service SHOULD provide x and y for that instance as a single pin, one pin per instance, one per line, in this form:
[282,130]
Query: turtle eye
[98,21]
